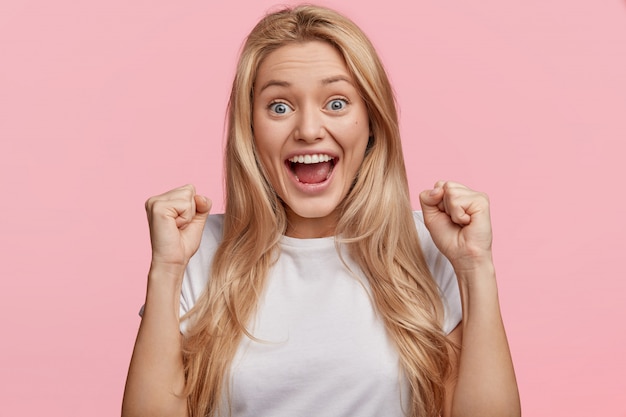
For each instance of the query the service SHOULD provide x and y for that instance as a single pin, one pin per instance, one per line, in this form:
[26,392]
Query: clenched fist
[459,222]
[176,220]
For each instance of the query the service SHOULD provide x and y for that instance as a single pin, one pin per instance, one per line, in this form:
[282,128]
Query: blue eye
[279,108]
[337,104]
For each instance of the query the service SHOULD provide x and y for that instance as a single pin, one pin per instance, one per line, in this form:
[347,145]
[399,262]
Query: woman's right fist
[176,219]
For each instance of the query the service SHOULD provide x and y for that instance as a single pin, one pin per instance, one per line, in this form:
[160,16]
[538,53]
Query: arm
[483,382]
[156,375]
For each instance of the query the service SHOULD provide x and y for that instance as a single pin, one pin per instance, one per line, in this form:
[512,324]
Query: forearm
[156,375]
[486,384]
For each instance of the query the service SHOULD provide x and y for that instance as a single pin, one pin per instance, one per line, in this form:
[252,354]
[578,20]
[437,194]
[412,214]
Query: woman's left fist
[459,223]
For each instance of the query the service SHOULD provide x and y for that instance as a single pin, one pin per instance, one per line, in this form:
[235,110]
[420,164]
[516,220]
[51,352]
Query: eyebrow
[271,83]
[335,79]
[325,81]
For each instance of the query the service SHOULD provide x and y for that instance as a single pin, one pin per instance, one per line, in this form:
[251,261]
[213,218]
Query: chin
[308,211]
[312,209]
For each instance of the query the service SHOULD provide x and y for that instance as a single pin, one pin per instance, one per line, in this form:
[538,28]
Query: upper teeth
[310,159]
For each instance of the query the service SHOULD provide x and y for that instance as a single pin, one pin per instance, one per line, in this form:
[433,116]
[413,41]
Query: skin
[483,380]
[306,102]
[156,374]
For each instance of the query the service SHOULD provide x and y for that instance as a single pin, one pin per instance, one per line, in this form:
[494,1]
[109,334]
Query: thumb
[192,233]
[203,208]
[203,205]
[431,201]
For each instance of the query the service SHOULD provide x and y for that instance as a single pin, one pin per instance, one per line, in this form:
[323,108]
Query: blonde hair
[383,242]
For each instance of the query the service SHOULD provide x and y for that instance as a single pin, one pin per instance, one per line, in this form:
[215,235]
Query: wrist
[166,270]
[164,288]
[476,273]
[476,263]
[479,291]
[165,279]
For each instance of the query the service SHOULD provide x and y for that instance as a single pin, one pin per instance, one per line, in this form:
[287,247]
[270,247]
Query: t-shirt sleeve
[197,272]
[443,274]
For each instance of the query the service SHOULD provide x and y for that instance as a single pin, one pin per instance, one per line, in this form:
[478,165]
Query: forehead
[311,60]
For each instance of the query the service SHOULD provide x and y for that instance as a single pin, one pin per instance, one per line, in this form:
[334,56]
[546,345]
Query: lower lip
[310,188]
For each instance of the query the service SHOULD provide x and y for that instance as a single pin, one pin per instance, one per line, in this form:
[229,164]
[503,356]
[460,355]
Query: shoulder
[430,251]
[213,228]
[442,273]
[199,266]
[437,263]
[211,238]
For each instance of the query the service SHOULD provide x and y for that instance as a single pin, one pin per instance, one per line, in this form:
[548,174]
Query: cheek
[262,138]
[355,130]
[266,156]
[355,138]
[268,153]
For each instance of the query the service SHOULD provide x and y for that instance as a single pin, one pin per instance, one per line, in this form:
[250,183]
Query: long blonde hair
[379,232]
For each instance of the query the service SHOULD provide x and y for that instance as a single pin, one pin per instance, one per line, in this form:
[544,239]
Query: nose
[310,125]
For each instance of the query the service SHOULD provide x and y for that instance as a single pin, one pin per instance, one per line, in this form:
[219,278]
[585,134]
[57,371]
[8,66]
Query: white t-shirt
[323,350]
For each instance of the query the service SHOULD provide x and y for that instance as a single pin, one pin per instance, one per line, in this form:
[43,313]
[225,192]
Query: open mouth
[311,169]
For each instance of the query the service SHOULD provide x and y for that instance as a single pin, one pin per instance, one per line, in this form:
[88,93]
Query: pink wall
[103,104]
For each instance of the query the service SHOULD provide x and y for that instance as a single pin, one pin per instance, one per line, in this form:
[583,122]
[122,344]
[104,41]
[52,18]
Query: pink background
[103,104]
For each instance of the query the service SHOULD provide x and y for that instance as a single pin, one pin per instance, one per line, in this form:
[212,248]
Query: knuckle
[189,188]
[160,206]
[452,192]
[188,192]
[149,203]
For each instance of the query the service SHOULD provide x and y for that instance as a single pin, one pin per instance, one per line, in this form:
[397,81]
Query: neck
[310,228]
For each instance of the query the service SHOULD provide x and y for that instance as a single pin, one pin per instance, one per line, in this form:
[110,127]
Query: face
[311,129]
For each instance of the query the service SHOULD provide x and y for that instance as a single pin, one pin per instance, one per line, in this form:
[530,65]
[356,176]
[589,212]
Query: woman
[319,291]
